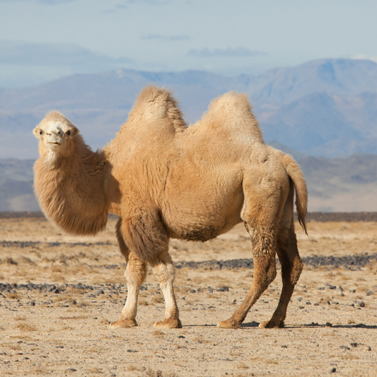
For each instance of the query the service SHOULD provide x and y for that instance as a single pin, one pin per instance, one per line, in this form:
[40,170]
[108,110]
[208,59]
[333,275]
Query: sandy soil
[54,318]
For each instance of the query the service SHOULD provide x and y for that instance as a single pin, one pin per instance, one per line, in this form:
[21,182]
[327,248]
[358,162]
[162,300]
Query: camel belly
[203,222]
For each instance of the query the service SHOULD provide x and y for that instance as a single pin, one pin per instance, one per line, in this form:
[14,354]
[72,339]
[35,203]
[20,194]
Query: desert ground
[58,294]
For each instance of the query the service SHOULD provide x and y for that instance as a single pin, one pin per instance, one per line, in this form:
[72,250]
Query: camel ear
[38,132]
[72,132]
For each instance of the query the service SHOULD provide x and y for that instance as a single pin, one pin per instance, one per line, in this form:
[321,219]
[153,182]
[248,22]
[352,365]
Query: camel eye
[40,132]
[69,133]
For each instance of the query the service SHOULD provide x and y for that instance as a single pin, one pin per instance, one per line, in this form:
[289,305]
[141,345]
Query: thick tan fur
[165,180]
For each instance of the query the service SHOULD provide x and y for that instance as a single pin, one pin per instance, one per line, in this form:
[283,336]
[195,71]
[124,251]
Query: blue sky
[46,39]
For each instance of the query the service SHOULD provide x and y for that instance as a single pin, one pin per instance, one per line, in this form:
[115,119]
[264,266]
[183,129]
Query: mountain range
[323,108]
[323,112]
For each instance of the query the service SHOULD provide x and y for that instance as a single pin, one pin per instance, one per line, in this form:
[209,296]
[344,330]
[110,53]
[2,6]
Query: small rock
[369,292]
[354,344]
[181,337]
[328,324]
[223,289]
[360,304]
[333,370]
[299,299]
[345,348]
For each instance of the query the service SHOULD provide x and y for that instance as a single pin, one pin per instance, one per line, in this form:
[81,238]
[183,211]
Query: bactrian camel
[166,180]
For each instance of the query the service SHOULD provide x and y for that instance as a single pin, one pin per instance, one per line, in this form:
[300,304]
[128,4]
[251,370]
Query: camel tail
[295,173]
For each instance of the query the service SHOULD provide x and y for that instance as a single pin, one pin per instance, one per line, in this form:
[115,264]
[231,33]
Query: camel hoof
[123,324]
[169,324]
[271,325]
[229,324]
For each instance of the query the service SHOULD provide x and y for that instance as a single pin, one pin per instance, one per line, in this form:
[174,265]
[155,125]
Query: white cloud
[166,37]
[48,2]
[364,57]
[126,3]
[239,52]
[53,54]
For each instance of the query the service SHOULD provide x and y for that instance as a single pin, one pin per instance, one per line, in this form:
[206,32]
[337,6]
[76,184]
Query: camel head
[55,134]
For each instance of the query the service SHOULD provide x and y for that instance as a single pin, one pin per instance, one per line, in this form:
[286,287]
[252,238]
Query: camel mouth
[54,143]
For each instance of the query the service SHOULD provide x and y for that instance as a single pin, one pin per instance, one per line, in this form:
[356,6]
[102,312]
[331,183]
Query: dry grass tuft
[158,300]
[137,368]
[14,296]
[25,327]
[26,260]
[20,318]
[159,373]
[10,261]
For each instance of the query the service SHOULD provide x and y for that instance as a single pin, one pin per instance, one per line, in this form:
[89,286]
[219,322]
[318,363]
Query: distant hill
[322,108]
[335,185]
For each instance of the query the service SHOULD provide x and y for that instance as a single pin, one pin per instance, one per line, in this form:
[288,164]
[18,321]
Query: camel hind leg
[264,243]
[260,213]
[291,267]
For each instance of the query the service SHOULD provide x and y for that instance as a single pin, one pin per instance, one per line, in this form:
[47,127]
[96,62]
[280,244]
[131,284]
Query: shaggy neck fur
[71,188]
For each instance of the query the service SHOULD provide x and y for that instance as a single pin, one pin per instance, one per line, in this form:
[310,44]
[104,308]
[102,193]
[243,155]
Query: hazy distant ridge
[321,108]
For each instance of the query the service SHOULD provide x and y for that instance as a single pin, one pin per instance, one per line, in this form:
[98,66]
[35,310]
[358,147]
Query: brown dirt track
[58,293]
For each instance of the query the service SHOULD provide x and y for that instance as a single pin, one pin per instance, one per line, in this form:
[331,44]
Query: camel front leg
[135,273]
[263,242]
[164,270]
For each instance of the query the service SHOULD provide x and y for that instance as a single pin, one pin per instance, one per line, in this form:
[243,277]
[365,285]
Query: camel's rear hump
[233,111]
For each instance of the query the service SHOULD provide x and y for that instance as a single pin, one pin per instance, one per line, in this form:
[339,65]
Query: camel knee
[270,274]
[164,273]
[164,270]
[291,270]
[296,270]
[266,274]
[136,271]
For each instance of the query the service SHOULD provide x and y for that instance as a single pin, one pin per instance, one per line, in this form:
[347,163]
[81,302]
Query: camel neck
[71,190]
